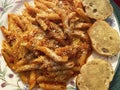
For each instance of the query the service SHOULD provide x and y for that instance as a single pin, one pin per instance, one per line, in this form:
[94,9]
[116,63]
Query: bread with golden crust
[95,75]
[105,40]
[97,9]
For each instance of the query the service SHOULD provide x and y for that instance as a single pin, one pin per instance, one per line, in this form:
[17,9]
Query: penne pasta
[9,60]
[49,86]
[81,12]
[52,54]
[47,44]
[24,77]
[27,68]
[32,80]
[41,23]
[83,25]
[42,6]
[31,9]
[51,16]
[82,59]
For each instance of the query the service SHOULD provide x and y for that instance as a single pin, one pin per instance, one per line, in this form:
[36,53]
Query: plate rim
[118,63]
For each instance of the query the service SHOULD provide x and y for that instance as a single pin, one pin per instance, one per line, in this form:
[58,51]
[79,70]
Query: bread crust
[97,9]
[95,75]
[105,40]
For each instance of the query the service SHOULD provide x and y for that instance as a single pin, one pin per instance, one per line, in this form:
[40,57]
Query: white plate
[9,80]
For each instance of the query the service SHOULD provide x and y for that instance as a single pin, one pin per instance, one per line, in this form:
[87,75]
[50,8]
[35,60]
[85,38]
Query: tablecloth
[115,84]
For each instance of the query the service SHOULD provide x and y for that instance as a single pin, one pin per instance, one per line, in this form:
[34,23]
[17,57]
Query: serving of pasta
[48,43]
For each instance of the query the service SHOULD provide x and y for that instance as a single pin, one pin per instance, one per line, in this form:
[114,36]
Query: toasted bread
[97,9]
[95,75]
[105,40]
